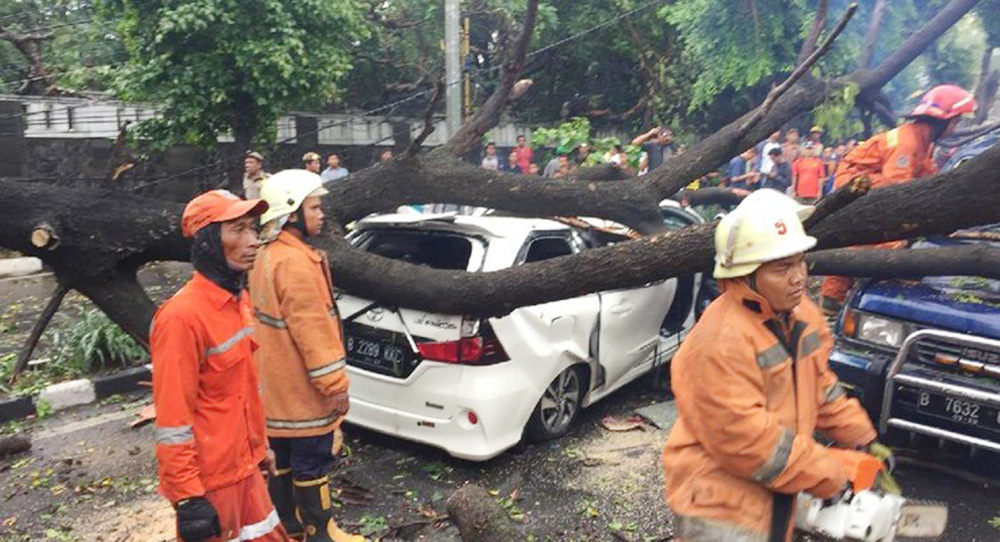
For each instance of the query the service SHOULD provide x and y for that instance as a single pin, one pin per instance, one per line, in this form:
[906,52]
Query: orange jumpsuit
[751,391]
[301,356]
[897,156]
[209,430]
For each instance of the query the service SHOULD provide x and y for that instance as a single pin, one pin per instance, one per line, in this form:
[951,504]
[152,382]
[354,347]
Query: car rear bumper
[433,407]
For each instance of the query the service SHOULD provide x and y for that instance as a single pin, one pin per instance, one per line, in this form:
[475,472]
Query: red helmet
[945,102]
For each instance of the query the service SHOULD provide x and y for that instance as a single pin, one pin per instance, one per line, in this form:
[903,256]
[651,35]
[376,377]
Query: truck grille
[957,358]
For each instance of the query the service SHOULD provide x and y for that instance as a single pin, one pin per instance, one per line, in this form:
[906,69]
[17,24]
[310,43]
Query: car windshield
[434,249]
[974,287]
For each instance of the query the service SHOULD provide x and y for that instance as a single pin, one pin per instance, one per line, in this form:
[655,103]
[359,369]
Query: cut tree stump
[14,445]
[480,519]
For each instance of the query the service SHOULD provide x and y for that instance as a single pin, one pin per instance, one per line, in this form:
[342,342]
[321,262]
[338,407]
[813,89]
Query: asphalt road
[90,478]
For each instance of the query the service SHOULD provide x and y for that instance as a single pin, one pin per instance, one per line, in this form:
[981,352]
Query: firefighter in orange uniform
[301,355]
[900,155]
[210,439]
[752,385]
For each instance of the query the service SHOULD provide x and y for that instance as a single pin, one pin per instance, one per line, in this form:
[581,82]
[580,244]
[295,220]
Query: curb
[76,392]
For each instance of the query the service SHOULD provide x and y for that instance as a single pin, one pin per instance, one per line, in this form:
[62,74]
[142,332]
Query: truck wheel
[557,409]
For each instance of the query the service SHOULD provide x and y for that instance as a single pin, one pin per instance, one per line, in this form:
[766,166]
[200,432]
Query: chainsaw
[866,513]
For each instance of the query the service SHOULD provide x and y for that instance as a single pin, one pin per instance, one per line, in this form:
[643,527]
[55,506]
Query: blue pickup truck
[924,355]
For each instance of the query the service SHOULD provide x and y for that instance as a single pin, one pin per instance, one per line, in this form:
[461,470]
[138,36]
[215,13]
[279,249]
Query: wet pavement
[91,478]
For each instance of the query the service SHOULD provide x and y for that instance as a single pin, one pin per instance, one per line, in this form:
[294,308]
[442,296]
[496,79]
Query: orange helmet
[945,102]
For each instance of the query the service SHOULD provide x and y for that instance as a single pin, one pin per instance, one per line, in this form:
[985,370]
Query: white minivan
[475,387]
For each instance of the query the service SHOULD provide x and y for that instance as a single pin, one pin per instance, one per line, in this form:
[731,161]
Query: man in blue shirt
[333,170]
[740,172]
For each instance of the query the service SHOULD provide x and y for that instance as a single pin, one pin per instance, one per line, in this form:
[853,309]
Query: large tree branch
[469,137]
[871,35]
[819,23]
[970,260]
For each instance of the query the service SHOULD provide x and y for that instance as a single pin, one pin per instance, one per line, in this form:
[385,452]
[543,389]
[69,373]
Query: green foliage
[78,53]
[373,525]
[569,135]
[224,66]
[95,342]
[736,44]
[995,523]
[834,115]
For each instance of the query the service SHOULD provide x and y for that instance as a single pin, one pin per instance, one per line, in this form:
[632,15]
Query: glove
[197,520]
[883,453]
[885,480]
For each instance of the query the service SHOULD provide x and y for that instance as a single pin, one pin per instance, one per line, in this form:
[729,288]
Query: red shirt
[809,172]
[524,156]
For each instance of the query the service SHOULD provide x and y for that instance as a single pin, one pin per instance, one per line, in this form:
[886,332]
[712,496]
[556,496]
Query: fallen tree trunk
[479,518]
[971,260]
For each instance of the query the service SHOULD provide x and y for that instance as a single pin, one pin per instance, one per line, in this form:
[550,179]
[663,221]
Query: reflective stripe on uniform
[324,370]
[304,424]
[259,529]
[778,460]
[711,530]
[174,435]
[810,344]
[892,138]
[269,320]
[230,342]
[772,356]
[835,392]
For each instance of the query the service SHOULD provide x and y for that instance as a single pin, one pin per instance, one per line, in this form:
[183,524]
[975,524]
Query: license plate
[379,350]
[959,410]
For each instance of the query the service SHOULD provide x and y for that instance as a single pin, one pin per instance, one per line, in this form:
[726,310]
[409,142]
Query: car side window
[676,219]
[544,248]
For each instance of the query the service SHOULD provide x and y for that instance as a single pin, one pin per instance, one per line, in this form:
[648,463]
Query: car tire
[558,408]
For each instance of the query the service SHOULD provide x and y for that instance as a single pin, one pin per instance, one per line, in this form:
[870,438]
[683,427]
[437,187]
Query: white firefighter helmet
[766,226]
[285,191]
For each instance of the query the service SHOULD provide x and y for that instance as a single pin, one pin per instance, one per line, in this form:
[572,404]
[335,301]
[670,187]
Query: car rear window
[433,249]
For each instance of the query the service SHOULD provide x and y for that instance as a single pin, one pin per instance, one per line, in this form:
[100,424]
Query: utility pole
[453,66]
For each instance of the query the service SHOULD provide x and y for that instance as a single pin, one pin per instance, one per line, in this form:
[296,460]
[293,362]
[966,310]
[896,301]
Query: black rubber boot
[283,497]
[312,497]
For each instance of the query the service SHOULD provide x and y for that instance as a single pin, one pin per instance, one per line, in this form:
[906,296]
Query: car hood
[936,304]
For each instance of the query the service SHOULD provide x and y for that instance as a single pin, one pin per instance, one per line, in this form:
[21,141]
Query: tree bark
[819,23]
[972,260]
[479,518]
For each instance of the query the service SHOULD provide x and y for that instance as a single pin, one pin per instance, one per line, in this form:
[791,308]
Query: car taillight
[482,349]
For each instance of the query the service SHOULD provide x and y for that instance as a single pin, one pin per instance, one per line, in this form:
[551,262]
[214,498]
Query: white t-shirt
[766,163]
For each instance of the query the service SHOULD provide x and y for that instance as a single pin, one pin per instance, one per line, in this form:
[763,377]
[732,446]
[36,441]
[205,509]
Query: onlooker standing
[740,172]
[386,155]
[333,169]
[780,175]
[553,166]
[533,169]
[491,160]
[524,154]
[808,175]
[582,153]
[512,165]
[658,144]
[253,174]
[816,136]
[565,167]
[773,142]
[310,162]
[791,149]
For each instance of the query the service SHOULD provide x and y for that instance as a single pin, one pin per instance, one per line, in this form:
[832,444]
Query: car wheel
[558,408]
